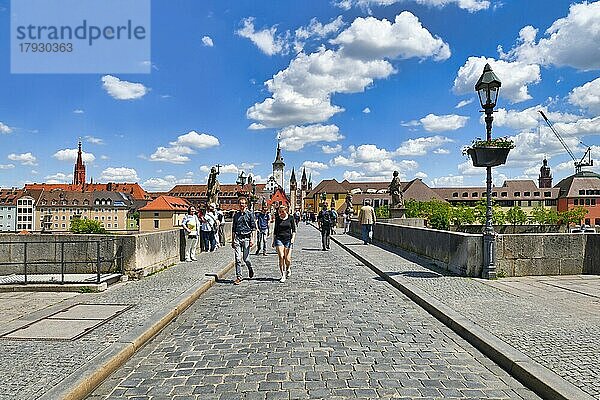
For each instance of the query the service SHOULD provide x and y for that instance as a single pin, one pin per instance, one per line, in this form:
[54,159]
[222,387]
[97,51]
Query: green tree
[539,214]
[86,226]
[382,212]
[574,215]
[462,215]
[498,216]
[515,215]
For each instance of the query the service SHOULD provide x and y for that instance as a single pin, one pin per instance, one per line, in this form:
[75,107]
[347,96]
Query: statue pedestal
[397,212]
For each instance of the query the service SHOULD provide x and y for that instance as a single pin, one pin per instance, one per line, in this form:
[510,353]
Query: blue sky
[354,88]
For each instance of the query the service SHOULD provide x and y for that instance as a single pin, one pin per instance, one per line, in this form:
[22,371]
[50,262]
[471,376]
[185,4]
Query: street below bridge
[334,330]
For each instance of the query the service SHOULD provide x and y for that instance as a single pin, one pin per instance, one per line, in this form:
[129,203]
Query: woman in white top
[191,226]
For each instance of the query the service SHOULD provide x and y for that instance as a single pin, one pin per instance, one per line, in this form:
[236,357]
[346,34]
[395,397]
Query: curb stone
[82,382]
[530,373]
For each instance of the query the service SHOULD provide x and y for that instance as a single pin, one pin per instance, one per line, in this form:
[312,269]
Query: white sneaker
[282,278]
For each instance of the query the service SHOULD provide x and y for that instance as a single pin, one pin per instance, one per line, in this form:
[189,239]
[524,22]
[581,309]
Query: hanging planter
[489,153]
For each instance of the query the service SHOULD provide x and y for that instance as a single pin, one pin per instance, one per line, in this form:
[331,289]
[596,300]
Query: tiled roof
[584,181]
[133,189]
[200,190]
[58,198]
[166,203]
[8,197]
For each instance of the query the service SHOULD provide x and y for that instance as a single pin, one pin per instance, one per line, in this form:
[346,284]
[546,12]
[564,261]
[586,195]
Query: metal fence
[111,262]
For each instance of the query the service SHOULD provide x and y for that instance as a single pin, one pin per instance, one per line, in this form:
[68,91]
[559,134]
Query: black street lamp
[241,180]
[488,87]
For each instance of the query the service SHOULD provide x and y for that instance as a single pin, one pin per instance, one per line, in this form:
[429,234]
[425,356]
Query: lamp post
[488,87]
[241,181]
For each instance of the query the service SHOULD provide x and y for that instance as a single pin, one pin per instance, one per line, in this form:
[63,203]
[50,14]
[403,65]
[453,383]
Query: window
[494,194]
[376,203]
[587,221]
[155,224]
[465,194]
[527,194]
[593,202]
[156,215]
[504,194]
[576,202]
[336,196]
[108,226]
[474,194]
[587,202]
[581,192]
[455,194]
[536,194]
[517,194]
[63,226]
[597,221]
[547,194]
[116,225]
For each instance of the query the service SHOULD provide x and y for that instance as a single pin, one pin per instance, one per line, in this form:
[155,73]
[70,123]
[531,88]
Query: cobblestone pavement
[29,368]
[334,330]
[553,320]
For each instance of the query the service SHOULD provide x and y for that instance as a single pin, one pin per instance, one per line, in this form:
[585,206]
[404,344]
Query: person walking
[263,217]
[221,227]
[284,233]
[242,229]
[208,227]
[367,218]
[325,221]
[191,226]
[347,219]
[334,216]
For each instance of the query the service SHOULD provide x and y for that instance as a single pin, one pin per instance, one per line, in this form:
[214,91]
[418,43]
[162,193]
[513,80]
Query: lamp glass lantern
[488,87]
[241,179]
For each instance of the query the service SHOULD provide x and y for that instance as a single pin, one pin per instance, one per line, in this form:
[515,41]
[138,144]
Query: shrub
[86,226]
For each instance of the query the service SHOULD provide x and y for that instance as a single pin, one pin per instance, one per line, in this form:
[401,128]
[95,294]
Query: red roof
[133,189]
[166,203]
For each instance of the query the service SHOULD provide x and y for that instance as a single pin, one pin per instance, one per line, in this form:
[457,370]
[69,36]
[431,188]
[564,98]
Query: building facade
[163,213]
[8,209]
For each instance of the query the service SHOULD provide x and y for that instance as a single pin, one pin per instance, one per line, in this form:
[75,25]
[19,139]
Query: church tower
[545,178]
[293,191]
[278,165]
[79,173]
[303,189]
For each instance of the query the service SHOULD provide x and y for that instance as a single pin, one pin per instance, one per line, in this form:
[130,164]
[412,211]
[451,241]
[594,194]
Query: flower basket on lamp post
[488,156]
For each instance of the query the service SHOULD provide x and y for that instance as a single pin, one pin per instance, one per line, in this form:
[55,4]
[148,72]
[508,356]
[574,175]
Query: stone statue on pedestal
[396,192]
[349,206]
[214,187]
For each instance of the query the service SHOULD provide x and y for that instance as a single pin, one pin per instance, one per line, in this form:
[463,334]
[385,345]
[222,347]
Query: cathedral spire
[79,172]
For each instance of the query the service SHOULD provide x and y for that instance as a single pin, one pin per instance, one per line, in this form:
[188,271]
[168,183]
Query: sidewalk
[54,369]
[546,330]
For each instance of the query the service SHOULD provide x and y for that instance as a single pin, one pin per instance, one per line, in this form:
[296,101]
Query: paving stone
[331,331]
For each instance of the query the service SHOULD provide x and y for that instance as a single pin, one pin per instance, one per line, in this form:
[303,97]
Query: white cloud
[370,38]
[448,181]
[314,165]
[71,155]
[570,41]
[420,146]
[366,110]
[94,140]
[197,140]
[294,138]
[207,41]
[5,128]
[463,103]
[6,166]
[184,146]
[529,118]
[78,111]
[315,29]
[123,90]
[24,159]
[266,39]
[442,123]
[173,155]
[255,127]
[223,169]
[104,157]
[59,178]
[421,175]
[166,183]
[372,163]
[441,151]
[331,149]
[469,5]
[515,77]
[119,174]
[587,96]
[301,93]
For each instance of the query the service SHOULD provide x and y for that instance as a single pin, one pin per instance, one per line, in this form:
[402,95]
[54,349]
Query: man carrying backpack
[325,221]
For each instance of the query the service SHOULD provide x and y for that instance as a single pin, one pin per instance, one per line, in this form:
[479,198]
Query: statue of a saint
[396,191]
[213,188]
[349,206]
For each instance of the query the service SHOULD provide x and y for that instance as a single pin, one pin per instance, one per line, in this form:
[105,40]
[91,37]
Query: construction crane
[578,164]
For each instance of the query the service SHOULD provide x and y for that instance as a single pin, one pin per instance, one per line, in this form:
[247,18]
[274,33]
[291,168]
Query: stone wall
[460,253]
[143,253]
[516,255]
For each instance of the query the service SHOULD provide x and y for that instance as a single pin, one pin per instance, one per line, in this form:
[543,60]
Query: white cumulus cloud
[119,174]
[24,158]
[70,155]
[185,145]
[6,166]
[59,177]
[569,41]
[294,138]
[463,103]
[266,39]
[165,183]
[469,5]
[421,146]
[443,123]
[587,96]
[123,90]
[207,41]
[331,149]
[5,128]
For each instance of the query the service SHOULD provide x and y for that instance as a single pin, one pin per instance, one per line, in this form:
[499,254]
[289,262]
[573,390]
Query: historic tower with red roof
[79,173]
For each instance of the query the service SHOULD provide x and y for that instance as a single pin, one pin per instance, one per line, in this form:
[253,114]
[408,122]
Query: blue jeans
[209,242]
[367,231]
